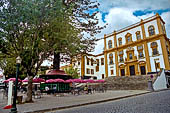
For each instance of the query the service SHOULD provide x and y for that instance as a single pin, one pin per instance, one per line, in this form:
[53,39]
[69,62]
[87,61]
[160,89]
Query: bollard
[150,86]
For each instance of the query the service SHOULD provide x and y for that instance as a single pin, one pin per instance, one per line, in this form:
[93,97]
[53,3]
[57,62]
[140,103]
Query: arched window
[128,37]
[120,41]
[151,30]
[111,58]
[138,36]
[154,47]
[110,44]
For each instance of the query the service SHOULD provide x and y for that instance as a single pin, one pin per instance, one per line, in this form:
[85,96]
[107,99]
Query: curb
[88,103]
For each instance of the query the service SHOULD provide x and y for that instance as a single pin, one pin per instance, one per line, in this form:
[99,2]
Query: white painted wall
[96,74]
[154,23]
[131,31]
[160,57]
[89,66]
[101,68]
[111,67]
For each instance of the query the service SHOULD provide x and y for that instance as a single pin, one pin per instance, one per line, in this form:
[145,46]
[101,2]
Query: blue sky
[121,13]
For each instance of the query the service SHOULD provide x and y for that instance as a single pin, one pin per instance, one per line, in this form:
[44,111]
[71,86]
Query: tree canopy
[72,72]
[35,29]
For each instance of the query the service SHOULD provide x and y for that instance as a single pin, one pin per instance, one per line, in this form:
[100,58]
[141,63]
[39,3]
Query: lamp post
[14,108]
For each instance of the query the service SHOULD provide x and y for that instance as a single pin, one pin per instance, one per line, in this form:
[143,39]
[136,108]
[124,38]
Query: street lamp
[14,108]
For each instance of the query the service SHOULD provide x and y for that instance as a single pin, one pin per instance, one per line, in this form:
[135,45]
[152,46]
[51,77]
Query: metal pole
[14,108]
[156,68]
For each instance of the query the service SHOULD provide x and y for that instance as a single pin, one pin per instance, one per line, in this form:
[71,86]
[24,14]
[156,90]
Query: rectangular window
[88,71]
[87,61]
[78,63]
[128,39]
[97,68]
[155,52]
[97,62]
[102,61]
[111,72]
[140,47]
[130,56]
[138,36]
[102,76]
[121,52]
[140,54]
[158,65]
[111,61]
[92,71]
[120,42]
[121,58]
[92,62]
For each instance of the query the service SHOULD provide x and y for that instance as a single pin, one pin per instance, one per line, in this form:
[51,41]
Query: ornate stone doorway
[122,71]
[142,70]
[132,70]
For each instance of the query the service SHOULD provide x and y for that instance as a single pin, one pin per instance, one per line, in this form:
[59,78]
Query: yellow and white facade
[134,50]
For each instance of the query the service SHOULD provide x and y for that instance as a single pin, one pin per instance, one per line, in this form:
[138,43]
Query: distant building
[134,50]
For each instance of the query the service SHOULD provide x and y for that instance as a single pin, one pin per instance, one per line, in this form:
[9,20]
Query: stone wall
[139,82]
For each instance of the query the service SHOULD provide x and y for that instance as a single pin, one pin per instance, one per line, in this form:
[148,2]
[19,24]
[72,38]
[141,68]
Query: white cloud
[118,18]
[99,47]
[105,5]
[166,17]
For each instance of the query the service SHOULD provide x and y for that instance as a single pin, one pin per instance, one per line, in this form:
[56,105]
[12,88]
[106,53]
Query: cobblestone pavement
[51,101]
[156,102]
[3,102]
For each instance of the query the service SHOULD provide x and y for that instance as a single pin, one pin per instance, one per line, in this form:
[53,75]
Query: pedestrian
[86,89]
[90,89]
[54,89]
[47,89]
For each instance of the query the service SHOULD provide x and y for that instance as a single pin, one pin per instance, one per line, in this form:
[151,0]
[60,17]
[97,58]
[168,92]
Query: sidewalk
[51,102]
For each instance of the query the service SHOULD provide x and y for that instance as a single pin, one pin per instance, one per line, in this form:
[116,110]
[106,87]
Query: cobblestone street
[156,102]
[48,102]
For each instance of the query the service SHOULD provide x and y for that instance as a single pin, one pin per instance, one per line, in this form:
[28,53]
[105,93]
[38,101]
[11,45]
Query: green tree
[37,29]
[72,72]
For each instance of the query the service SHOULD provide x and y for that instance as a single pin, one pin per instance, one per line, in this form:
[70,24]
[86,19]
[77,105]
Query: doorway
[132,70]
[122,72]
[142,70]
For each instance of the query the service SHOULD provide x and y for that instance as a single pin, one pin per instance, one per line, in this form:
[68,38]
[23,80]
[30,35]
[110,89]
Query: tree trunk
[29,89]
[56,61]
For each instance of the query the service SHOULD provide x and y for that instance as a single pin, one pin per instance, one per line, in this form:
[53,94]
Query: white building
[134,50]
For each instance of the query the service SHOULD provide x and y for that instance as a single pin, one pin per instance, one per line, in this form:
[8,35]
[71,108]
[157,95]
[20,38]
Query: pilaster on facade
[165,53]
[116,51]
[146,48]
[105,57]
[158,19]
[82,65]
